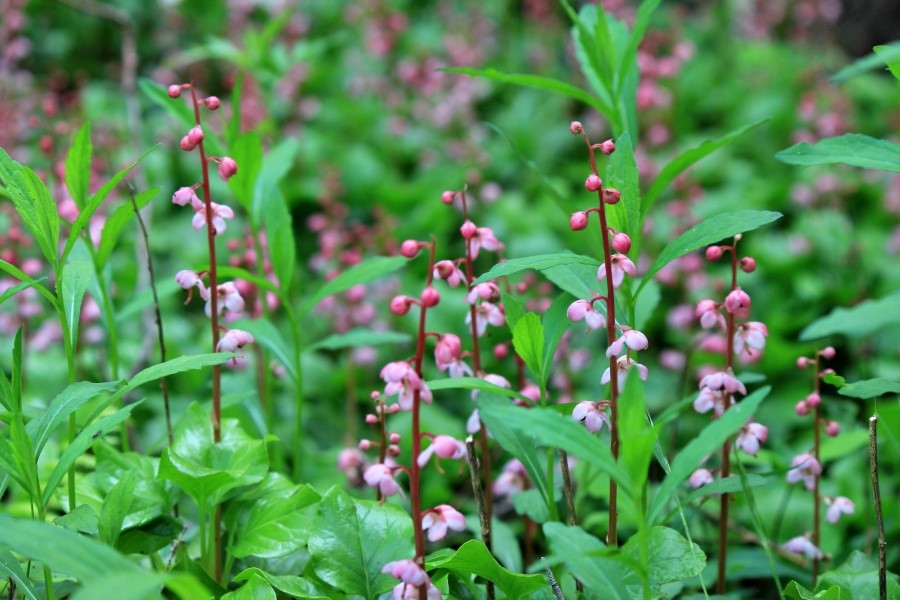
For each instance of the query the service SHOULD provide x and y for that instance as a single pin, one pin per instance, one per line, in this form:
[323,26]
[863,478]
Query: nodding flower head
[211,102]
[184,196]
[513,478]
[447,270]
[220,212]
[631,338]
[621,265]
[227,168]
[625,364]
[409,248]
[575,127]
[738,303]
[751,436]
[805,468]
[487,291]
[584,309]
[611,196]
[444,446]
[381,476]
[699,478]
[448,356]
[608,147]
[407,571]
[430,297]
[750,336]
[441,518]
[486,313]
[621,243]
[195,135]
[591,415]
[837,507]
[447,197]
[187,279]
[400,305]
[174,91]
[804,546]
[714,253]
[402,379]
[228,299]
[723,380]
[233,340]
[708,313]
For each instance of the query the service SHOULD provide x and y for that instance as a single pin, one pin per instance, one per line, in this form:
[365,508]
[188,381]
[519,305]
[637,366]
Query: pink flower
[625,364]
[447,269]
[621,265]
[699,478]
[350,459]
[802,545]
[751,335]
[227,168]
[583,309]
[707,400]
[738,303]
[513,478]
[184,196]
[752,435]
[220,212]
[578,221]
[487,291]
[631,338]
[484,238]
[381,476]
[187,279]
[447,355]
[805,468]
[441,518]
[444,446]
[708,313]
[401,379]
[404,591]
[837,507]
[408,571]
[723,380]
[228,299]
[486,313]
[234,339]
[590,414]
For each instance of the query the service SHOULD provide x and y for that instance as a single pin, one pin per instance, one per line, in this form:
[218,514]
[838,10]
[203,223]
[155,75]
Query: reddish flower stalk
[817,500]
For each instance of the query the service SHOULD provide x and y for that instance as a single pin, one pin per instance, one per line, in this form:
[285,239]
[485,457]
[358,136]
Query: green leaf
[858,578]
[18,274]
[473,558]
[10,567]
[622,174]
[212,472]
[528,341]
[78,165]
[708,441]
[23,456]
[149,537]
[859,321]
[852,149]
[287,584]
[540,262]
[730,485]
[46,213]
[551,429]
[274,526]
[66,552]
[83,519]
[646,304]
[256,588]
[588,560]
[535,82]
[12,291]
[638,434]
[366,271]
[269,337]
[360,337]
[641,23]
[177,365]
[76,276]
[688,158]
[139,585]
[512,308]
[531,504]
[796,591]
[474,383]
[13,176]
[671,557]
[351,541]
[555,322]
[279,230]
[81,443]
[890,54]
[710,231]
[115,508]
[870,388]
[247,151]
[870,62]
[115,224]
[73,397]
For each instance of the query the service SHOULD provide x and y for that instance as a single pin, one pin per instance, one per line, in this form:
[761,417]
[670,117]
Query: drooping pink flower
[707,400]
[220,212]
[751,436]
[837,507]
[184,196]
[804,546]
[486,314]
[444,446]
[487,291]
[737,302]
[227,168]
[402,379]
[228,299]
[805,468]
[350,459]
[513,478]
[723,380]
[447,355]
[408,571]
[751,335]
[441,518]
[186,279]
[708,313]
[621,265]
[381,476]
[583,309]
[404,591]
[631,338]
[699,478]
[447,270]
[625,364]
[234,339]
[590,414]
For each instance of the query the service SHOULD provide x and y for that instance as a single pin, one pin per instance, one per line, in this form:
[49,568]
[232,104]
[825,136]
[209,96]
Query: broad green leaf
[270,337]
[177,365]
[66,552]
[890,54]
[870,62]
[580,280]
[83,519]
[536,82]
[852,149]
[646,304]
[115,508]
[684,160]
[81,443]
[528,341]
[541,262]
[474,383]
[12,291]
[212,472]
[139,585]
[859,321]
[18,274]
[10,567]
[13,176]
[708,441]
[551,429]
[556,323]
[795,591]
[870,388]
[504,540]
[710,231]
[638,435]
[279,231]
[360,337]
[512,308]
[291,585]
[671,557]
[530,503]
[351,541]
[588,559]
[76,276]
[247,151]
[473,558]
[256,588]
[78,165]
[149,537]
[73,397]
[274,526]
[116,222]
[366,271]
[46,213]
[858,578]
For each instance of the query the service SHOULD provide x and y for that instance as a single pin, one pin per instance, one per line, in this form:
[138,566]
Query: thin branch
[556,589]
[474,469]
[879,513]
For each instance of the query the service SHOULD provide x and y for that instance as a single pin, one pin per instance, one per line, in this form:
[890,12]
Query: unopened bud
[813,400]
[227,168]
[801,408]
[371,419]
[409,248]
[430,297]
[195,135]
[593,183]
[501,351]
[578,220]
[394,438]
[621,243]
[611,196]
[832,428]
[828,353]
[212,103]
[575,127]
[608,147]
[447,197]
[186,144]
[364,445]
[714,253]
[400,305]
[802,362]
[748,264]
[174,91]
[468,230]
[394,450]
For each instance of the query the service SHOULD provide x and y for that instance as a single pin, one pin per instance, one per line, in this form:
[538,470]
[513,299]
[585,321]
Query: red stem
[817,501]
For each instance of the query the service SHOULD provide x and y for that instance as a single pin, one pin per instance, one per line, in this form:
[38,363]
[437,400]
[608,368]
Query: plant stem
[817,500]
[479,501]
[879,513]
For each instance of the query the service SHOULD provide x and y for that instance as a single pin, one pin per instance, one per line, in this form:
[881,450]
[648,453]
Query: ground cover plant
[475,300]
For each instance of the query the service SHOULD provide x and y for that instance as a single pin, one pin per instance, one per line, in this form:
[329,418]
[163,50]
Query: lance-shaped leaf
[852,149]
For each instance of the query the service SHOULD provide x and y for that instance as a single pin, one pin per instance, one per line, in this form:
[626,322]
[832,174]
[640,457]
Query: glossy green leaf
[18,188]
[73,397]
[795,591]
[647,303]
[256,588]
[852,149]
[870,62]
[858,578]
[858,321]
[708,441]
[116,222]
[473,558]
[46,213]
[588,559]
[149,537]
[115,508]
[274,526]
[78,165]
[540,262]
[688,158]
[528,341]
[83,519]
[298,587]
[11,568]
[710,231]
[513,309]
[671,557]
[474,383]
[360,337]
[555,322]
[139,585]
[368,270]
[271,338]
[351,541]
[870,388]
[177,365]
[76,276]
[12,291]
[530,503]
[622,174]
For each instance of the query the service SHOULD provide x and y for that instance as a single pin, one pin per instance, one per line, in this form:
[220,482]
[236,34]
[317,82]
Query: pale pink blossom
[448,271]
[480,237]
[584,309]
[407,571]
[350,459]
[707,400]
[708,313]
[381,476]
[486,291]
[737,302]
[805,468]
[444,446]
[513,478]
[441,518]
[804,546]
[473,423]
[404,591]
[837,507]
[447,355]
[486,314]
[751,335]
[590,414]
[184,196]
[699,478]
[220,212]
[631,338]
[228,299]
[723,380]
[625,364]
[186,279]
[621,265]
[751,436]
[402,379]
[234,339]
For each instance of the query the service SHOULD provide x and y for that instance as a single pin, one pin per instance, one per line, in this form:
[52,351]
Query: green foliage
[861,320]
[473,558]
[850,149]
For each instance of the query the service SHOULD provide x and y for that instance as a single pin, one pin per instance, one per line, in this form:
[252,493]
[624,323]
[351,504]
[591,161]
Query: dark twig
[879,514]
[570,497]
[556,590]
[474,469]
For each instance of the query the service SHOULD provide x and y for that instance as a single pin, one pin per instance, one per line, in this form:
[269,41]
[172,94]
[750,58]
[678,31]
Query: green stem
[204,551]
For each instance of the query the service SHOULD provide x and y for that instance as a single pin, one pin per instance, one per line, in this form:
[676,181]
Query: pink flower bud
[186,144]
[738,303]
[801,408]
[714,253]
[371,419]
[195,135]
[578,221]
[611,196]
[575,127]
[374,394]
[394,438]
[813,400]
[621,243]
[430,297]
[802,362]
[828,353]
[364,445]
[748,264]
[183,196]
[400,305]
[593,183]
[227,168]
[174,91]
[409,248]
[832,428]
[393,450]
[212,103]
[447,197]
[501,351]
[608,147]
[468,230]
